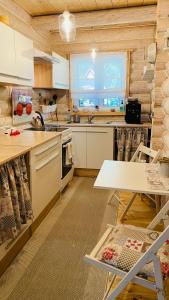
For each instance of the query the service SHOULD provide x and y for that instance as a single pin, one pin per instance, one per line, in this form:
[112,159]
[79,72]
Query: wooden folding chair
[116,254]
[140,154]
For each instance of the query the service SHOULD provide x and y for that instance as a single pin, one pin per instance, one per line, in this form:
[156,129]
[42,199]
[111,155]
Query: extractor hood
[44,57]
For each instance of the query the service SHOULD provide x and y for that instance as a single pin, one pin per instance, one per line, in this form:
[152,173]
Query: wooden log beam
[110,35]
[112,17]
[13,9]
[64,49]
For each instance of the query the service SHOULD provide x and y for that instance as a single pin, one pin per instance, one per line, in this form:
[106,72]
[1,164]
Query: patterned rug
[58,270]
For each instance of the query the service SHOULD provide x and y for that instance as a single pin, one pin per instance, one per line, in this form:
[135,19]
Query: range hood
[44,57]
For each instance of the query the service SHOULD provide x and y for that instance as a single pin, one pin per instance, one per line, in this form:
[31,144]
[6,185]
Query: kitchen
[81,86]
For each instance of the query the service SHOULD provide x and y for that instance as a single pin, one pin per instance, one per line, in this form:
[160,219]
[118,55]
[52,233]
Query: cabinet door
[24,57]
[45,171]
[79,147]
[7,51]
[61,73]
[100,144]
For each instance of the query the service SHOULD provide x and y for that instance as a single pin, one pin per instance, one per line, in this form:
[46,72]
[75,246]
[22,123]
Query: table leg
[128,206]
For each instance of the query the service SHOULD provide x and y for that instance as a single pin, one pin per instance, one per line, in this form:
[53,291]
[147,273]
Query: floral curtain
[15,200]
[128,139]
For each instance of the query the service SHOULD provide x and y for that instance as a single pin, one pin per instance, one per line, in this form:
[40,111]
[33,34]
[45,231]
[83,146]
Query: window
[99,82]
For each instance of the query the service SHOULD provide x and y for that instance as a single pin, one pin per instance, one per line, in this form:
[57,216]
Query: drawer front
[46,150]
[100,130]
[78,129]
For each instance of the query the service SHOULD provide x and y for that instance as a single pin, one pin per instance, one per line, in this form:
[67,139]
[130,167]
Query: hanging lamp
[67,26]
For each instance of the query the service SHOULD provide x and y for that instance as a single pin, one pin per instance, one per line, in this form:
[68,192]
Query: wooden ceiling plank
[119,3]
[135,3]
[44,7]
[88,5]
[104,4]
[73,6]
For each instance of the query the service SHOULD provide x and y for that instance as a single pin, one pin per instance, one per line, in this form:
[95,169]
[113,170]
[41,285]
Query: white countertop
[99,124]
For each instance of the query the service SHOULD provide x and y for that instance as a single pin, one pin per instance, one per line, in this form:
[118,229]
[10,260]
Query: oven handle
[65,146]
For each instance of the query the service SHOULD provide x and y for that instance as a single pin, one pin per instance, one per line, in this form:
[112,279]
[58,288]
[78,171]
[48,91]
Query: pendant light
[93,54]
[67,26]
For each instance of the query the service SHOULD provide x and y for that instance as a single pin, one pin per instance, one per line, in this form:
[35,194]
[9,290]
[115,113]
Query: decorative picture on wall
[21,105]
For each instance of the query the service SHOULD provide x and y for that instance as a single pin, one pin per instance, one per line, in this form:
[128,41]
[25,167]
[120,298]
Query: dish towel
[69,154]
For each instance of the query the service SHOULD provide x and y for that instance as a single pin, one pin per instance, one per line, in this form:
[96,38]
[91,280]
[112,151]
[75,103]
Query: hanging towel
[69,153]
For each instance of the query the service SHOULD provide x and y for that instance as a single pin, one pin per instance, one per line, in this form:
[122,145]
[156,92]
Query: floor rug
[58,270]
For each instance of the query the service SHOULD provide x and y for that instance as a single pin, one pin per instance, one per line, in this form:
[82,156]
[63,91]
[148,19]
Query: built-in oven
[67,158]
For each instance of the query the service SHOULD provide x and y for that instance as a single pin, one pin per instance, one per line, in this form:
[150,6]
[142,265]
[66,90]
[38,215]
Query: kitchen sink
[55,128]
[35,129]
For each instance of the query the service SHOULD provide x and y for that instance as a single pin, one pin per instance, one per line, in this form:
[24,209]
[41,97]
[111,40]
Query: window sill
[99,113]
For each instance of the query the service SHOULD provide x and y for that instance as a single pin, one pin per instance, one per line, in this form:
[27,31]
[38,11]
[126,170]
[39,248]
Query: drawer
[47,149]
[100,130]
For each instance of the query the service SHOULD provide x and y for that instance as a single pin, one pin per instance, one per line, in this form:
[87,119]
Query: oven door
[67,162]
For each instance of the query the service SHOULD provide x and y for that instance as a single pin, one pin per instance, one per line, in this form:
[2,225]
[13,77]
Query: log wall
[134,39]
[160,132]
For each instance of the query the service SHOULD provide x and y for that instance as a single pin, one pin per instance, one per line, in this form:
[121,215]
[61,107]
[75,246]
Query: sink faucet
[41,118]
[90,118]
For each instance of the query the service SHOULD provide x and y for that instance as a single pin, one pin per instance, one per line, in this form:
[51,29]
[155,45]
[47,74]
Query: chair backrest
[143,150]
[163,215]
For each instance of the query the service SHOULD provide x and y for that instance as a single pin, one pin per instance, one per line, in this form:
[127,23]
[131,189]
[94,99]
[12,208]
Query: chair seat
[126,244]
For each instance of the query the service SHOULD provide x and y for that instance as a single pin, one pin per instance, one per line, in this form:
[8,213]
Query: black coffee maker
[133,111]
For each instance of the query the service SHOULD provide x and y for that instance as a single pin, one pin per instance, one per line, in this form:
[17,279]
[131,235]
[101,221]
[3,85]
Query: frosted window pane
[94,81]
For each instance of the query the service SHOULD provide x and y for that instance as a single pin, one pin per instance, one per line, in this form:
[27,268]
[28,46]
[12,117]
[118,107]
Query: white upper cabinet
[7,53]
[24,56]
[60,72]
[16,57]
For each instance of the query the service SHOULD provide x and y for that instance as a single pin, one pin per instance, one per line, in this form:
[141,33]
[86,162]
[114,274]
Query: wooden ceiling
[47,7]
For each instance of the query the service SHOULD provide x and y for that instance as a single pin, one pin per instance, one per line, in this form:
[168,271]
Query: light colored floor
[14,273]
[140,214]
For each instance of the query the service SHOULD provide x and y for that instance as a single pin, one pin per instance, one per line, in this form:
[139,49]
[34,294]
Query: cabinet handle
[47,148]
[78,131]
[97,132]
[46,162]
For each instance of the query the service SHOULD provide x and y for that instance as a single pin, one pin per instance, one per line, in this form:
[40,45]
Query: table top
[125,176]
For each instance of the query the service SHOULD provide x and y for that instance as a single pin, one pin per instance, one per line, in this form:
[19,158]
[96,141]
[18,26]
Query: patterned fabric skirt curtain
[15,200]
[128,139]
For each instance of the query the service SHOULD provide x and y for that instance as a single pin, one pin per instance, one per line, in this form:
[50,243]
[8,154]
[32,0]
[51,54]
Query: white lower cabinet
[92,145]
[79,146]
[100,144]
[45,174]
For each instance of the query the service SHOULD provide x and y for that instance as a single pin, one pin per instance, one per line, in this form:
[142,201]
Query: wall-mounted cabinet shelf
[16,57]
[52,75]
